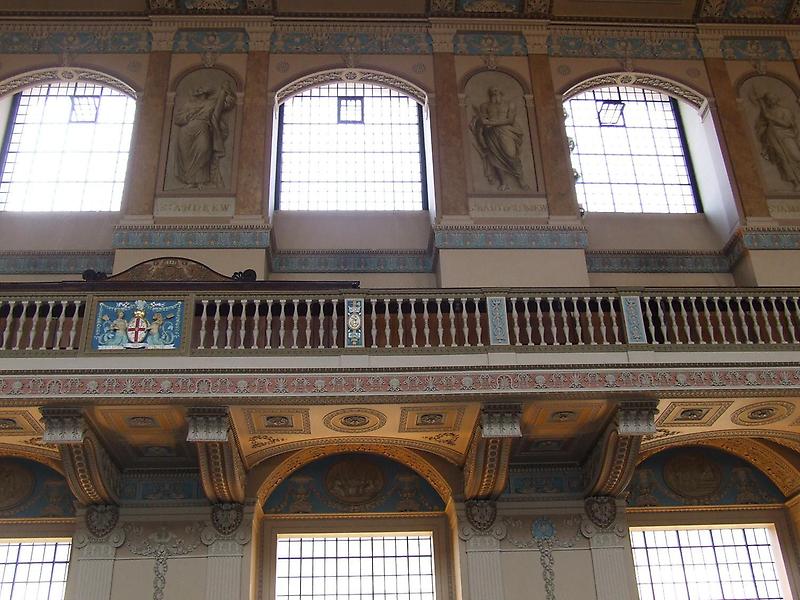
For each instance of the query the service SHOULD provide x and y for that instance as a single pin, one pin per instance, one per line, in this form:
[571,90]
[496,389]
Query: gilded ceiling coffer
[221,468]
[92,475]
[610,465]
[486,468]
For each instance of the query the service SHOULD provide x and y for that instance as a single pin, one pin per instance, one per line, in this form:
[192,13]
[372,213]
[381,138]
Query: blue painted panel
[139,324]
[498,44]
[30,490]
[222,41]
[756,48]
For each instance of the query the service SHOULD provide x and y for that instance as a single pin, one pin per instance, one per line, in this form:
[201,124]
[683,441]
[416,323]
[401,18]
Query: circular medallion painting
[692,475]
[354,481]
[16,483]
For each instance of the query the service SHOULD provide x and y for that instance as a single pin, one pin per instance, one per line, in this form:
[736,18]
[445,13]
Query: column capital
[442,40]
[163,36]
[259,34]
[536,39]
[711,43]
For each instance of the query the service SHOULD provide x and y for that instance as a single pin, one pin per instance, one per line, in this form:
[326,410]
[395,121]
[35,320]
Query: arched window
[629,152]
[350,146]
[66,148]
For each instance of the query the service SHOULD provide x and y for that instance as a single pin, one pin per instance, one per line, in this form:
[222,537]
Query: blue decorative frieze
[162,236]
[139,324]
[497,44]
[354,321]
[657,262]
[756,48]
[583,45]
[351,261]
[774,239]
[85,42]
[17,263]
[221,41]
[154,489]
[758,10]
[212,5]
[489,6]
[535,483]
[304,42]
[510,237]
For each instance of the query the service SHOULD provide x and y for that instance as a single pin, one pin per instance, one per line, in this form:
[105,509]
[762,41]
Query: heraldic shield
[139,324]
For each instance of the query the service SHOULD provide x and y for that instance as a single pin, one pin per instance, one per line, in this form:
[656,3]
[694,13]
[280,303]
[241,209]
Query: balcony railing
[430,320]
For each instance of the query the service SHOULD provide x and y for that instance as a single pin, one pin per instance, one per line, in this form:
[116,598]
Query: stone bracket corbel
[486,469]
[221,468]
[90,472]
[609,468]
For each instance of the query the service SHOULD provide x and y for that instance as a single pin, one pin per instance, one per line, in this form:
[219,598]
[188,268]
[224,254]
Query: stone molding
[16,83]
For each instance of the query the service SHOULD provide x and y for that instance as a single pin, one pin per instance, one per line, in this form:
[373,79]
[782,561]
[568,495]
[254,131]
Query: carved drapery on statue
[774,116]
[202,134]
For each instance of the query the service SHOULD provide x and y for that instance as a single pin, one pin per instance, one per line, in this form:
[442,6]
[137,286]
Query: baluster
[401,332]
[539,322]
[709,324]
[685,317]
[335,327]
[651,325]
[452,314]
[256,323]
[34,324]
[387,324]
[662,318]
[321,318]
[373,303]
[268,332]
[7,330]
[203,325]
[743,319]
[589,322]
[439,323]
[515,321]
[60,326]
[565,321]
[412,303]
[295,324]
[74,328]
[229,322]
[22,318]
[698,331]
[796,308]
[465,322]
[602,316]
[281,322]
[242,322]
[673,320]
[426,330]
[729,306]
[754,316]
[576,315]
[778,325]
[720,323]
[786,313]
[215,331]
[552,312]
[526,311]
[614,324]
[48,322]
[767,325]
[478,327]
[309,302]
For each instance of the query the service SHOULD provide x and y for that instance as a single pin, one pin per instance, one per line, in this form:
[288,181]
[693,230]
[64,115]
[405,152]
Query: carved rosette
[221,468]
[486,469]
[101,519]
[226,517]
[611,464]
[91,474]
[601,510]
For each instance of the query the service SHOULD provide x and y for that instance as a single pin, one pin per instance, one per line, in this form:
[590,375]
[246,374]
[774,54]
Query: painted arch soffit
[299,459]
[17,83]
[351,75]
[642,80]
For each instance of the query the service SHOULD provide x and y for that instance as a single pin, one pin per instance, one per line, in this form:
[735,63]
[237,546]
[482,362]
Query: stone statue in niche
[201,140]
[498,130]
[771,106]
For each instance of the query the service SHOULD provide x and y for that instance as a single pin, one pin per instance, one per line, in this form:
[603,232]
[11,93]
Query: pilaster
[612,564]
[482,565]
[452,183]
[227,538]
[559,181]
[92,564]
[139,199]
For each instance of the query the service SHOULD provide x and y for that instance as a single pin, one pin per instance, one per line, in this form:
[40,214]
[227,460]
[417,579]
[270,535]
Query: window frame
[273,526]
[423,152]
[7,537]
[685,148]
[770,516]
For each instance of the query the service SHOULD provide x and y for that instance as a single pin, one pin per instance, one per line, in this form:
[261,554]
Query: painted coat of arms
[139,324]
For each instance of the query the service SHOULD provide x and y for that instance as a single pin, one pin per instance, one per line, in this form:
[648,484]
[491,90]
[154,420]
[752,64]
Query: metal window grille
[66,149]
[705,564]
[629,152]
[33,570]
[326,163]
[355,567]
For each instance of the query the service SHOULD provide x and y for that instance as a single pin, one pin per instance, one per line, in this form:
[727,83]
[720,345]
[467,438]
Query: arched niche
[17,83]
[771,109]
[498,133]
[202,134]
[700,475]
[30,490]
[353,483]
